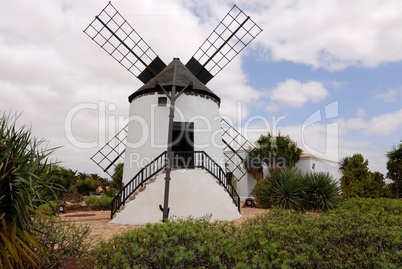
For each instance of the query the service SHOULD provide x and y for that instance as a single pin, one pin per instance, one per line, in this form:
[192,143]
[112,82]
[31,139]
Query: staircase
[181,160]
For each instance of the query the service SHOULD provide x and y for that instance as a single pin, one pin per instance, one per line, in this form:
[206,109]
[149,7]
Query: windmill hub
[183,78]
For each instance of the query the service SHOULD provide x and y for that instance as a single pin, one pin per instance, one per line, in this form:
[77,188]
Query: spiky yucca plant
[322,191]
[22,188]
[282,188]
[288,188]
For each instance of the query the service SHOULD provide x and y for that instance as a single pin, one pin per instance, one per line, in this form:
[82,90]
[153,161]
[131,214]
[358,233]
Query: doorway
[183,144]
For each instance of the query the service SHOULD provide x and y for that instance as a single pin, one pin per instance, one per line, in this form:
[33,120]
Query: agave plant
[22,189]
[288,188]
[282,188]
[322,191]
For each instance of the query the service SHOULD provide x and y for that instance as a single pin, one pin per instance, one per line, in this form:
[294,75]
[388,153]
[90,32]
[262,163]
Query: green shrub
[102,202]
[321,191]
[174,244]
[359,233]
[64,241]
[87,186]
[111,192]
[263,193]
[48,207]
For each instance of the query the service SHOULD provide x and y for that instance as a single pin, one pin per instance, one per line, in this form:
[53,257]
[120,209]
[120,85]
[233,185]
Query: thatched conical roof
[184,77]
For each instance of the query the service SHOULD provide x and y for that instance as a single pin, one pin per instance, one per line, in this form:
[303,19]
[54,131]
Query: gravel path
[100,225]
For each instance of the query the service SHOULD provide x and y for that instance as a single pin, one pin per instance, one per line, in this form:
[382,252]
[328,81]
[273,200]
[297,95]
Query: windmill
[154,142]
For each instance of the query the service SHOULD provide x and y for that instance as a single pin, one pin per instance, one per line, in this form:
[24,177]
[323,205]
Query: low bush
[64,241]
[102,202]
[48,207]
[111,192]
[263,193]
[360,233]
[175,244]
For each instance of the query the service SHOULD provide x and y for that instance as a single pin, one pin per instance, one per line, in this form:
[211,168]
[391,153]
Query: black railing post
[138,180]
[159,163]
[214,169]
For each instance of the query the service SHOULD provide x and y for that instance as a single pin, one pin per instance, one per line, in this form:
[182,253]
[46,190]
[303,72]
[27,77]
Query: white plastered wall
[187,198]
[332,168]
[148,129]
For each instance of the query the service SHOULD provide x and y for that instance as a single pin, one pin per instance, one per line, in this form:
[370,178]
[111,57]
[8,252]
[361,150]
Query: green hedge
[360,233]
[102,202]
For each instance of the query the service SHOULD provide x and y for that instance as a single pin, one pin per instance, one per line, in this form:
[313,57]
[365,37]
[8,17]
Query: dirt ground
[99,221]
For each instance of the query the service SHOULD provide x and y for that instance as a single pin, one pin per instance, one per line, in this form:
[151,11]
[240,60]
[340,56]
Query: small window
[162,101]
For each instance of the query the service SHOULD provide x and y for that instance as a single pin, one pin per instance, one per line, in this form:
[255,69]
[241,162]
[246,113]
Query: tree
[117,178]
[82,175]
[24,184]
[357,180]
[274,152]
[343,163]
[376,187]
[63,176]
[394,166]
[87,186]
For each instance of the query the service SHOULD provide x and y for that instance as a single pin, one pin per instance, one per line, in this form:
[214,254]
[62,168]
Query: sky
[327,73]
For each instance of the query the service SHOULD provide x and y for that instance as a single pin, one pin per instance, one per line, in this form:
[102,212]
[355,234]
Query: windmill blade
[116,36]
[236,149]
[112,152]
[226,41]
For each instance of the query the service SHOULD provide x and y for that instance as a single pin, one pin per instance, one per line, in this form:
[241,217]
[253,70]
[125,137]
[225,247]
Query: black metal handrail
[181,160]
[200,159]
[150,170]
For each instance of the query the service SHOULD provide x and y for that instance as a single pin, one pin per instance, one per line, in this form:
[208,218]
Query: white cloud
[271,107]
[231,86]
[361,112]
[383,124]
[332,34]
[295,93]
[388,96]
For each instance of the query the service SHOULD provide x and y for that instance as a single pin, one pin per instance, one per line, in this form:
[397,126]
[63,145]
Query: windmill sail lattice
[226,41]
[112,152]
[116,36]
[236,147]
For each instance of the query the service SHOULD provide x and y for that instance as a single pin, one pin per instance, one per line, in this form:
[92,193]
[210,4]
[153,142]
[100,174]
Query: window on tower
[162,101]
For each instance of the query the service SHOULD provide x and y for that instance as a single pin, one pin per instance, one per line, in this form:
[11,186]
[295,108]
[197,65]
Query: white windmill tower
[174,135]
